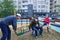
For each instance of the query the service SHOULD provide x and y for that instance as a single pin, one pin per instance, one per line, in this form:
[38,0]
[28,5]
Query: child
[35,26]
[46,22]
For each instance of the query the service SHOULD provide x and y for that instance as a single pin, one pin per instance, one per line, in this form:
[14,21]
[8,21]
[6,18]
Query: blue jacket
[11,20]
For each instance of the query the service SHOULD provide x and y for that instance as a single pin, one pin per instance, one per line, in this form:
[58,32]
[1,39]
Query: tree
[7,8]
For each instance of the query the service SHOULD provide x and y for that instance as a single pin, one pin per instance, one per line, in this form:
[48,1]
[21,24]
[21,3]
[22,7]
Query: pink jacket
[46,20]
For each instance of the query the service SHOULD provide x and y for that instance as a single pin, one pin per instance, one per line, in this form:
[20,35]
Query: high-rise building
[15,4]
[38,6]
[58,6]
[53,6]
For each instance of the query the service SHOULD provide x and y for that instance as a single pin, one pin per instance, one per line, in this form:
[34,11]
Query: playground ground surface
[53,35]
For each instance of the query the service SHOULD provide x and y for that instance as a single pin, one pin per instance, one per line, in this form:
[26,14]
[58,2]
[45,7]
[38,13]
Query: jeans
[37,29]
[47,25]
[6,32]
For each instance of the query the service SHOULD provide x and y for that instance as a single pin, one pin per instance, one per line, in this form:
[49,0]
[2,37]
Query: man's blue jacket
[10,20]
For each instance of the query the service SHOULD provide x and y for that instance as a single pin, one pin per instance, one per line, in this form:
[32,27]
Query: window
[30,0]
[42,6]
[24,1]
[51,0]
[38,6]
[38,2]
[38,10]
[26,10]
[34,1]
[47,0]
[54,10]
[24,5]
[55,1]
[35,6]
[47,3]
[50,7]
[19,6]
[23,10]
[15,1]
[47,10]
[35,10]
[19,10]
[42,2]
[42,10]
[47,7]
[19,2]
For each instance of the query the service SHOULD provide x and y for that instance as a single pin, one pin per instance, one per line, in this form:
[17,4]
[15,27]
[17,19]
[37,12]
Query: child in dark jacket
[35,26]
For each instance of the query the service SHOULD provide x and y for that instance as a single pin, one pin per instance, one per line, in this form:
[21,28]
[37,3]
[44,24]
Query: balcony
[51,0]
[51,3]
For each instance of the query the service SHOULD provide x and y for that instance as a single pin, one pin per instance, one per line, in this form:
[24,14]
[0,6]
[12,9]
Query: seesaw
[21,33]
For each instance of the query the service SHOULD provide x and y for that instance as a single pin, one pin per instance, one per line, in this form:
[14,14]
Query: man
[46,22]
[4,25]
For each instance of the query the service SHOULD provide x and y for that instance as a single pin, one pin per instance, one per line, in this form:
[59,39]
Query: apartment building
[31,7]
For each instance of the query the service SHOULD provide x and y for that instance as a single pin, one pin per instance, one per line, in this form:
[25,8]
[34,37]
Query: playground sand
[46,36]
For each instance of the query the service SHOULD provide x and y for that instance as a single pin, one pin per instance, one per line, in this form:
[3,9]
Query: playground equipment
[57,23]
[22,28]
[22,31]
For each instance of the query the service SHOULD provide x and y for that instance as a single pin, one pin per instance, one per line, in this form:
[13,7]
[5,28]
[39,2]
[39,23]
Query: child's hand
[15,31]
[36,24]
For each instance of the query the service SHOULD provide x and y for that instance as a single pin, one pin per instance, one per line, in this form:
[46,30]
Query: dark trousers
[6,33]
[47,27]
[37,29]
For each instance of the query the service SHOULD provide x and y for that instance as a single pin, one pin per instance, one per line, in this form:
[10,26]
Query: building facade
[37,6]
[55,7]
[15,4]
[53,4]
[58,6]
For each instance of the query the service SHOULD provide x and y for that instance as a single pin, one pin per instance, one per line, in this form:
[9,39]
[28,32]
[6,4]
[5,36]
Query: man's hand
[15,31]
